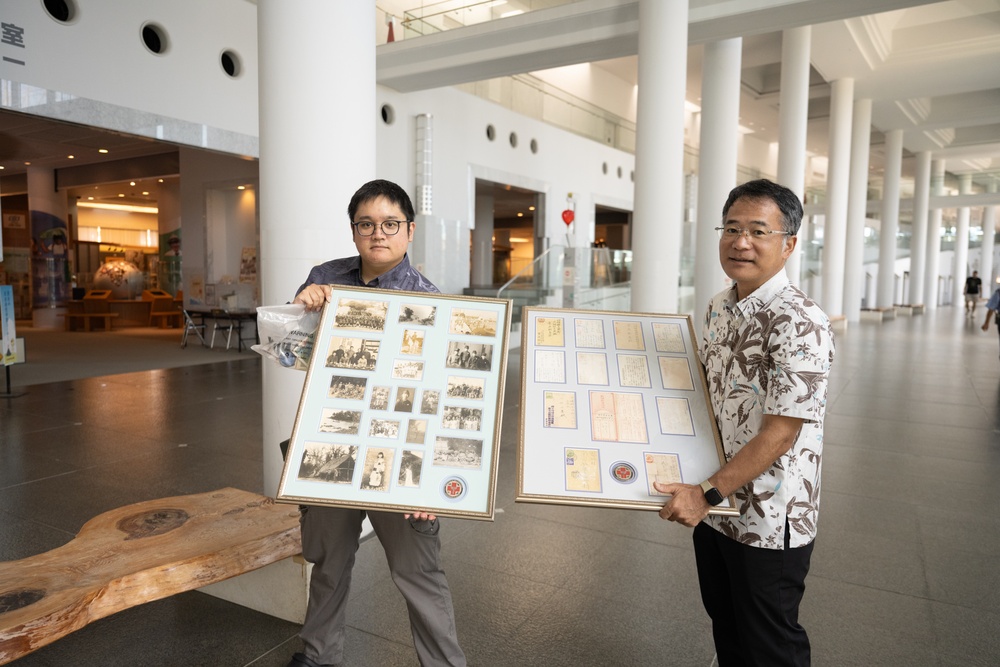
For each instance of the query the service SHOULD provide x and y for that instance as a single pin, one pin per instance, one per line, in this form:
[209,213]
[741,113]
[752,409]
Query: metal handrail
[529,266]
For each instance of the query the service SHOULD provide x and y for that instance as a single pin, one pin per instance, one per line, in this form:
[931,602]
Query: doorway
[507,237]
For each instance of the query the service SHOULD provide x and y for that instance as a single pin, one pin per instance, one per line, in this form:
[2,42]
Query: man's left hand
[688,505]
[420,516]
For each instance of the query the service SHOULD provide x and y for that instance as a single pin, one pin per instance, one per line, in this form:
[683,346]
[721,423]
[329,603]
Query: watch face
[713,497]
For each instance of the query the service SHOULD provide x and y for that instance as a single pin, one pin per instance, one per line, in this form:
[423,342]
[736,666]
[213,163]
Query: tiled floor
[904,573]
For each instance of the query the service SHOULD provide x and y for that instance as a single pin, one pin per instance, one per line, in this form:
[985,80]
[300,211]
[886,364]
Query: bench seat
[136,554]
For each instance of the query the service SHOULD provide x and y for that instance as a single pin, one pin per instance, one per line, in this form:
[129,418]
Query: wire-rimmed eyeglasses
[732,232]
[388,227]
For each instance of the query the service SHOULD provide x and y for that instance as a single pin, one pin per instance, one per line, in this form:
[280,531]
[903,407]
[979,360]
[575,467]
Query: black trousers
[752,596]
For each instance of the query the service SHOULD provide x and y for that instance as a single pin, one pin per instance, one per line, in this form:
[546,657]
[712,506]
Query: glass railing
[432,17]
[581,278]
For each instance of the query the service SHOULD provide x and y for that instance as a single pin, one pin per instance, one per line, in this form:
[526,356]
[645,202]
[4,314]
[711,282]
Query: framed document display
[610,403]
[401,405]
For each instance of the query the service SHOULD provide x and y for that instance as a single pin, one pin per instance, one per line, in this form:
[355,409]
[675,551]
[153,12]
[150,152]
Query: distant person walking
[993,310]
[973,290]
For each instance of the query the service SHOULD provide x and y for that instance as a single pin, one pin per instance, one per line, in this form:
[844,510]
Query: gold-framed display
[401,405]
[610,403]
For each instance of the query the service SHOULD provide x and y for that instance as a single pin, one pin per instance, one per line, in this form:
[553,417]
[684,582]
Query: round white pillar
[720,117]
[837,182]
[961,270]
[482,241]
[918,236]
[317,146]
[857,213]
[793,115]
[989,236]
[934,238]
[889,226]
[659,159]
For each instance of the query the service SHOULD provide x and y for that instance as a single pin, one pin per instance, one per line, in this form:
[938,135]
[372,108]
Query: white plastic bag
[286,334]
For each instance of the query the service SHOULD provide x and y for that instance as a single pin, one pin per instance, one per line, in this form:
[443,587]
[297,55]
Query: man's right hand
[314,296]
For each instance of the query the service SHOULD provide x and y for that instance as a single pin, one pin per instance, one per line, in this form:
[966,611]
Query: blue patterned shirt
[347,271]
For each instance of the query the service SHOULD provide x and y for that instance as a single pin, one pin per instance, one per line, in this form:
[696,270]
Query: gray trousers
[413,550]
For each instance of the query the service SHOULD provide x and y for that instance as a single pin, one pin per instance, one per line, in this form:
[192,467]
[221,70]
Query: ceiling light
[70,157]
[102,150]
[531,208]
[145,193]
[520,215]
[513,12]
[89,198]
[119,207]
[241,187]
[121,194]
[132,183]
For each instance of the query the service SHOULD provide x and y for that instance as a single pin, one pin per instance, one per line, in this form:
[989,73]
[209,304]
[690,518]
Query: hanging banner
[7,328]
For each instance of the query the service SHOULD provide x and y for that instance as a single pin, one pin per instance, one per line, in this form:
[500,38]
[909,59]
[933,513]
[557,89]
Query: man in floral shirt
[767,350]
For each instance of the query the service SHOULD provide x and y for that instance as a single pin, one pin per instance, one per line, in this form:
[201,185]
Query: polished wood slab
[137,554]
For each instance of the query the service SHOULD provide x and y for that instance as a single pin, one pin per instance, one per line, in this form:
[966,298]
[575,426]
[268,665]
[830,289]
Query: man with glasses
[767,350]
[382,224]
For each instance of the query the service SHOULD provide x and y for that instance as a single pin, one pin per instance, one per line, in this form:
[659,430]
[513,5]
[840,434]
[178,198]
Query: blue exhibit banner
[7,319]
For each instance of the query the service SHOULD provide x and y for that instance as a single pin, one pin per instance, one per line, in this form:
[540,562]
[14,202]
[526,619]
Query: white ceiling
[931,69]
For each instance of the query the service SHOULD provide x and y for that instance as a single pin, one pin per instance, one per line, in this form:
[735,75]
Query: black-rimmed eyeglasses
[388,227]
[731,233]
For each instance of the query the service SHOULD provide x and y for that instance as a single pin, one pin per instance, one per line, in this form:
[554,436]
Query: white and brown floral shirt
[770,354]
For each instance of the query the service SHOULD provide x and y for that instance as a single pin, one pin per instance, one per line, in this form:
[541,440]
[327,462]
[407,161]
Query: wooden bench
[87,318]
[838,323]
[163,310]
[137,554]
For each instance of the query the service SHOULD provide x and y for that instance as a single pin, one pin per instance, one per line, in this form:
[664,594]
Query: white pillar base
[280,589]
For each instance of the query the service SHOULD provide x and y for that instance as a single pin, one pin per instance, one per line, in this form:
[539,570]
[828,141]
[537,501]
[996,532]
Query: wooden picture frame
[610,402]
[401,405]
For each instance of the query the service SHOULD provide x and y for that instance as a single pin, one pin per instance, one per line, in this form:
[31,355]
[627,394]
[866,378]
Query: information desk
[223,318]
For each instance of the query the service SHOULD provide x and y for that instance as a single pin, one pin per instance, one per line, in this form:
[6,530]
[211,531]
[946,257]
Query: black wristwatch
[712,495]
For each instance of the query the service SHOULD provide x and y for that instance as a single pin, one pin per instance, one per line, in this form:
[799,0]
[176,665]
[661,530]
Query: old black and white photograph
[409,468]
[470,356]
[360,314]
[413,342]
[377,469]
[463,387]
[464,419]
[458,452]
[347,387]
[411,313]
[384,428]
[429,400]
[404,399]
[340,421]
[403,369]
[380,398]
[357,353]
[473,322]
[328,463]
[416,431]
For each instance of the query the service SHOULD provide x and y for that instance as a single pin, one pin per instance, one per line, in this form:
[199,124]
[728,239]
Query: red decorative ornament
[568,216]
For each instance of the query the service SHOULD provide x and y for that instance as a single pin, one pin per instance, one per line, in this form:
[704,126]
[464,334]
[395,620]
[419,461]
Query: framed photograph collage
[610,403]
[401,405]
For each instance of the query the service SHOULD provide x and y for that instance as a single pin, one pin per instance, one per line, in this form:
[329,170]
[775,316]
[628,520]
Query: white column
[961,243]
[317,146]
[889,226]
[989,234]
[659,159]
[793,108]
[934,238]
[854,256]
[482,241]
[720,111]
[837,181]
[918,236]
[47,212]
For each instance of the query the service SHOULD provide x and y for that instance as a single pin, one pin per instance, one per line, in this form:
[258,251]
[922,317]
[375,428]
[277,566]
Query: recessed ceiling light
[27,164]
[531,208]
[121,194]
[146,193]
[102,150]
[520,215]
[132,183]
[70,157]
[90,198]
[241,187]
[160,180]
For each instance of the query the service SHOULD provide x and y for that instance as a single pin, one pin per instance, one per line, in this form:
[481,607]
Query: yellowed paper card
[675,416]
[592,368]
[675,373]
[662,468]
[583,470]
[560,409]
[549,332]
[628,336]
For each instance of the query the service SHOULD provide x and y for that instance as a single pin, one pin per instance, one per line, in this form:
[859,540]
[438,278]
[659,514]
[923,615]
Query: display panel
[610,403]
[401,405]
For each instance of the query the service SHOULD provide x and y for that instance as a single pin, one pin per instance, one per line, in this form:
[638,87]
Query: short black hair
[381,188]
[786,201]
